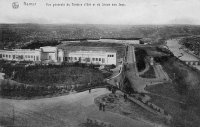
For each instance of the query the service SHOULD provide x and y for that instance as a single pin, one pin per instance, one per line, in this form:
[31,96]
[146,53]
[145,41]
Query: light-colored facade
[92,57]
[48,53]
[20,55]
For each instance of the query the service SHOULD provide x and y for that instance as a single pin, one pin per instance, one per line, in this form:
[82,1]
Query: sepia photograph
[99,63]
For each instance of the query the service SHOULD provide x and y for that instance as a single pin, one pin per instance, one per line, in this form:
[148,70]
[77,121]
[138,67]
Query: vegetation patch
[192,43]
[140,58]
[50,80]
[59,76]
[149,74]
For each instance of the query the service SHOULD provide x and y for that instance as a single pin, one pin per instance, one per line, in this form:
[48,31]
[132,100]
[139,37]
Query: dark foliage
[38,44]
[140,58]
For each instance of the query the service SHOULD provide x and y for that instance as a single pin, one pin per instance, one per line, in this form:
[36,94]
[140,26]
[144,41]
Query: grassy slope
[115,103]
[184,88]
[63,75]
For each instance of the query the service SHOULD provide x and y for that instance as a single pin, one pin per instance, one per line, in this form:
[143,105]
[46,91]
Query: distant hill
[12,34]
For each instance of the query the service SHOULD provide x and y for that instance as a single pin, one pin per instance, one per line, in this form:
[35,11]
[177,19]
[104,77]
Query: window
[3,55]
[99,59]
[28,56]
[0,55]
[96,59]
[13,56]
[6,56]
[93,59]
[75,58]
[9,56]
[31,56]
[110,55]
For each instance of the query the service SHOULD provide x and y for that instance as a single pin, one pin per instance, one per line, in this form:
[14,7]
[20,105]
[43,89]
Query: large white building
[93,57]
[48,53]
[21,55]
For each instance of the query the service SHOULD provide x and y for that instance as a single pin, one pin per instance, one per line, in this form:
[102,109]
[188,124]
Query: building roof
[68,49]
[48,49]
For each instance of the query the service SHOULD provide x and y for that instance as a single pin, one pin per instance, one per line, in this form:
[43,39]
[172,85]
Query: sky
[135,12]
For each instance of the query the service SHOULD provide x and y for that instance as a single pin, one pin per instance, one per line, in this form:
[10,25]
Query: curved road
[63,111]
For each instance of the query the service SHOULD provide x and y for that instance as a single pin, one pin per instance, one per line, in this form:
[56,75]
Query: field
[180,98]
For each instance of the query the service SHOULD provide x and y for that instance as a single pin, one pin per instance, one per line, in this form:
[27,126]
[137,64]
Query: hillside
[192,43]
[12,34]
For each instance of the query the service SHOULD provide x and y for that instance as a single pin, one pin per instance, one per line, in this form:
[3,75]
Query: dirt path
[64,111]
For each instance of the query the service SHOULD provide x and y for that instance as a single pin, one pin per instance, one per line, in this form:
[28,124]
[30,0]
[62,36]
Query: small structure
[51,54]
